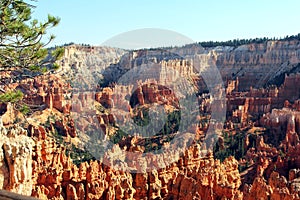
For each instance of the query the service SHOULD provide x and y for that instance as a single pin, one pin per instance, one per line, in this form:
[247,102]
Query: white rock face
[242,48]
[15,160]
[95,59]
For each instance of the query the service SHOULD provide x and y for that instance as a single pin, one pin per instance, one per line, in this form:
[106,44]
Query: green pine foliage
[233,146]
[238,42]
[21,37]
[24,109]
[11,96]
[79,155]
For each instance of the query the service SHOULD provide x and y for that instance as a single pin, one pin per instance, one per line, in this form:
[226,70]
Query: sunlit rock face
[258,64]
[45,158]
[16,160]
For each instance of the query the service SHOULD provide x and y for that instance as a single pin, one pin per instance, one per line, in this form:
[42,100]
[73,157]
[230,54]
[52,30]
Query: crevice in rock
[6,164]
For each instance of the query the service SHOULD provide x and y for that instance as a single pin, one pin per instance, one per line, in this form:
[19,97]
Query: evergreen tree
[21,45]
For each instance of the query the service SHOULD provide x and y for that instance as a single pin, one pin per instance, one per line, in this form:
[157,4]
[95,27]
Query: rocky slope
[16,160]
[264,63]
[38,166]
[255,155]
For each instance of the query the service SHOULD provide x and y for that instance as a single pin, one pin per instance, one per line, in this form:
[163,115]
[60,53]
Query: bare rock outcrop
[16,160]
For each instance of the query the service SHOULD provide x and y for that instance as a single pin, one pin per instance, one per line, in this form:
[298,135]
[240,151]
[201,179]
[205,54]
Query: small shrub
[11,96]
[24,109]
[34,68]
[55,66]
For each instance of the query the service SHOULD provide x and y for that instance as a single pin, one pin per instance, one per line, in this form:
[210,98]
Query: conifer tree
[21,45]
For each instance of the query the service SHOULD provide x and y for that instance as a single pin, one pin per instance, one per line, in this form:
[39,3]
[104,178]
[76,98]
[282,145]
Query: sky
[96,21]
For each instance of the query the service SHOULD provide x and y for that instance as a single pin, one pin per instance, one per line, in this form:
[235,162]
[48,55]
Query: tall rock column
[15,160]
